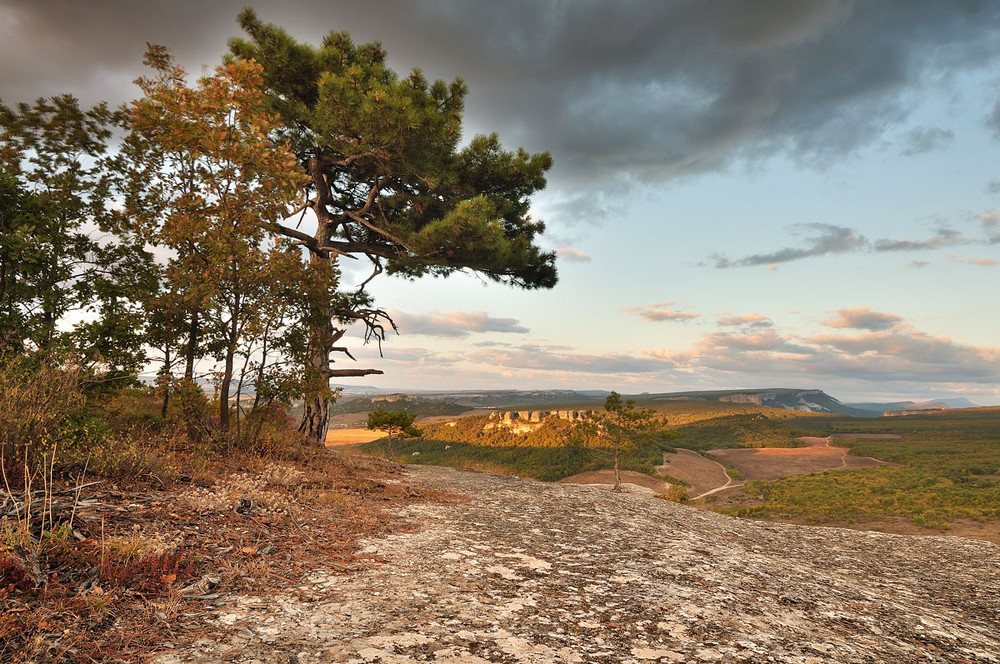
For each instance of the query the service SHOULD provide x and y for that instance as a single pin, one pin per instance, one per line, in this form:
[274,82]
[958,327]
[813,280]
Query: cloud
[651,90]
[990,219]
[943,238]
[543,358]
[454,324]
[830,239]
[993,120]
[920,140]
[863,318]
[750,320]
[572,255]
[917,264]
[824,239]
[896,356]
[969,260]
[659,312]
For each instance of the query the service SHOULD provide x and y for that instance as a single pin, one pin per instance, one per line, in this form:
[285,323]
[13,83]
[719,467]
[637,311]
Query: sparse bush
[38,396]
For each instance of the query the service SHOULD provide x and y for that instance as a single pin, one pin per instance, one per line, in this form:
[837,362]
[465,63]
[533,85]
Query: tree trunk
[227,375]
[192,348]
[390,444]
[164,379]
[618,474]
[322,336]
[316,412]
[227,379]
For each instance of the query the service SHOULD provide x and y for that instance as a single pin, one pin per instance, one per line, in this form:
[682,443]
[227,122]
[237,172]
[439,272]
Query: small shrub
[676,494]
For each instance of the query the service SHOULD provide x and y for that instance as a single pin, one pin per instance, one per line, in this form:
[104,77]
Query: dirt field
[352,436]
[703,474]
[770,463]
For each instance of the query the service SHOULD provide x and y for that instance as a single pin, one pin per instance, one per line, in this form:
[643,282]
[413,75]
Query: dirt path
[700,473]
[527,572]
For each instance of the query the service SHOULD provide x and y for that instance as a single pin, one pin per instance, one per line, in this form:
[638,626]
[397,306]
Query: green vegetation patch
[541,463]
[743,430]
[946,467]
[846,496]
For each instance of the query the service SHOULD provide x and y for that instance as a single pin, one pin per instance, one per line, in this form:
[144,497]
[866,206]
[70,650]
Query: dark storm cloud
[993,120]
[621,92]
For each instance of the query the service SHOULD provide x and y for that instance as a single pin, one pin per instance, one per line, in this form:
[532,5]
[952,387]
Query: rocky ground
[528,572]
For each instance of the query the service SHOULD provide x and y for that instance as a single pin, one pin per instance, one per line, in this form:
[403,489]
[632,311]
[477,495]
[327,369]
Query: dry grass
[118,569]
[352,436]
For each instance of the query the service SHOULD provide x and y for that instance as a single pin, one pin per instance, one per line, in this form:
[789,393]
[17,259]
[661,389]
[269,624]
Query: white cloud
[899,356]
[572,255]
[454,323]
[659,312]
[751,320]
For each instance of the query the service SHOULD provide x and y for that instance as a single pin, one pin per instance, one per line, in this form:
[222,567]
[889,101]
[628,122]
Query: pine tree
[388,183]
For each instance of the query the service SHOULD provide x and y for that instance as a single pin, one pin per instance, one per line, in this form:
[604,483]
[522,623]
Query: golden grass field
[336,437]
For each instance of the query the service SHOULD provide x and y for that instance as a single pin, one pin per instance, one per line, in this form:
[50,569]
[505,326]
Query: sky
[745,193]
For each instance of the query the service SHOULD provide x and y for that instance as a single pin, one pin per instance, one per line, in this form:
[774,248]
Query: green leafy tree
[206,181]
[389,184]
[398,422]
[58,248]
[622,427]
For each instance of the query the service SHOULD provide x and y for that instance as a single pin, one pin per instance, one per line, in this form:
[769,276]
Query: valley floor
[521,571]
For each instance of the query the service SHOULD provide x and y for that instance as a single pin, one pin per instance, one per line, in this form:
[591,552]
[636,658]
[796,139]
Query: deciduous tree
[397,422]
[208,182]
[389,183]
[58,249]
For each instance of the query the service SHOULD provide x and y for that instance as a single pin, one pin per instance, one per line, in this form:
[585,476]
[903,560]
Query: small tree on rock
[397,422]
[622,426]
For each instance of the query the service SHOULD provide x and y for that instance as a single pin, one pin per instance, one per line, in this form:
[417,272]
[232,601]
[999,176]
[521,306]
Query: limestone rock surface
[533,572]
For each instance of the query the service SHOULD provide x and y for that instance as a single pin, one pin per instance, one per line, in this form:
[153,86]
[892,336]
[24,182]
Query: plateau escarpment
[527,572]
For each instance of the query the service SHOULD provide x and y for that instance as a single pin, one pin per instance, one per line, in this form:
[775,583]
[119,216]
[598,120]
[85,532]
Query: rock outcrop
[525,421]
[532,572]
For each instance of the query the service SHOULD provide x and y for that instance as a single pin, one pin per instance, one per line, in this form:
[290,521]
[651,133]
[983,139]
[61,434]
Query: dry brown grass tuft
[122,569]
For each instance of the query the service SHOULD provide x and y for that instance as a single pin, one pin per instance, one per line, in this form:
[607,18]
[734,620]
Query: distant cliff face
[525,421]
[812,401]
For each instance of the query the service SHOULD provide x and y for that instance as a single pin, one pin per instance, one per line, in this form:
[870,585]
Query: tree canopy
[389,182]
[217,227]
[398,422]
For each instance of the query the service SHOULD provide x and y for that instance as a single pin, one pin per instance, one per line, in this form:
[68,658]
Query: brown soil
[608,477]
[770,463]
